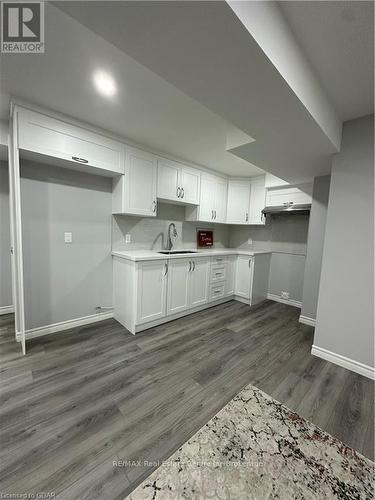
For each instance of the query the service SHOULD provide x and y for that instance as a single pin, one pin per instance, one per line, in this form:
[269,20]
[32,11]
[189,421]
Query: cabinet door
[221,190]
[178,285]
[168,179]
[243,276]
[199,276]
[238,202]
[230,275]
[190,181]
[257,201]
[49,136]
[151,290]
[140,183]
[207,198]
[298,195]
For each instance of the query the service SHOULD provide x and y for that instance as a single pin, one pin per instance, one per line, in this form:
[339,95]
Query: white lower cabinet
[187,284]
[148,293]
[252,276]
[178,285]
[198,282]
[151,290]
[243,276]
[230,275]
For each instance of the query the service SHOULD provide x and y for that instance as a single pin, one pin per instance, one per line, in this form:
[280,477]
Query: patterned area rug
[256,448]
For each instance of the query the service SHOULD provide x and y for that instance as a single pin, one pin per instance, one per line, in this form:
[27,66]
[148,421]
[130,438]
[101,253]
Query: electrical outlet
[128,238]
[249,241]
[68,237]
[285,295]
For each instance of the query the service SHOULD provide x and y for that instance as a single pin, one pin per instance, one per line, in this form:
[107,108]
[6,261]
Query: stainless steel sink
[171,252]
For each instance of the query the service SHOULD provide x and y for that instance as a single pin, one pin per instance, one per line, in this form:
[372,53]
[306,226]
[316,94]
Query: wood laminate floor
[84,398]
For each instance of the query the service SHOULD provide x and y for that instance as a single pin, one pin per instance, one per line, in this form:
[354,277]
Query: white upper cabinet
[213,200]
[135,192]
[207,200]
[190,183]
[178,183]
[238,202]
[221,200]
[246,200]
[296,195]
[257,201]
[55,138]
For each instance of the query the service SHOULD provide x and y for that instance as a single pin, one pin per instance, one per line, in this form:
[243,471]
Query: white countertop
[139,255]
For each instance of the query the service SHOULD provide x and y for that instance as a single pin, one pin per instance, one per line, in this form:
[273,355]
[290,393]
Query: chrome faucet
[169,238]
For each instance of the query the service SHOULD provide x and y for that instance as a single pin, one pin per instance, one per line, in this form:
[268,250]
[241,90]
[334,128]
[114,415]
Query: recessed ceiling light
[104,83]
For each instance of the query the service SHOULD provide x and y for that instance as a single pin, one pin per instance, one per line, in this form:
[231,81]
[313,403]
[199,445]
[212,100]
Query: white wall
[345,315]
[65,281]
[5,264]
[315,242]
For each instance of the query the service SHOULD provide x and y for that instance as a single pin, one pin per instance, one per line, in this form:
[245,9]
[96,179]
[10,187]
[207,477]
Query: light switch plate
[249,241]
[285,295]
[128,238]
[68,237]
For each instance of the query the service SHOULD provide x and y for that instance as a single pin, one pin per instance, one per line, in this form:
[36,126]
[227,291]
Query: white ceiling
[188,73]
[203,49]
[147,109]
[338,39]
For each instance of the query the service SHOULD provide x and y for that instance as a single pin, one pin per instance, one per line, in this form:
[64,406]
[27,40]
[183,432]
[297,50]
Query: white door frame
[16,227]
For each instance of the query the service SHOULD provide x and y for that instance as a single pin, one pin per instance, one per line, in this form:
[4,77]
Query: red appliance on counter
[205,238]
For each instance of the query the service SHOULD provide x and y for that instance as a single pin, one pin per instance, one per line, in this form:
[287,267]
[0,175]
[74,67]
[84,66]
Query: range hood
[287,208]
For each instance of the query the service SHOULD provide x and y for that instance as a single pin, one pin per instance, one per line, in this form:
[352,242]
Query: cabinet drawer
[217,292]
[218,272]
[48,136]
[217,260]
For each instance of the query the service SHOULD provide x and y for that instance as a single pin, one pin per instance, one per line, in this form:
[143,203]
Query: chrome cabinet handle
[178,192]
[250,262]
[182,192]
[215,214]
[193,265]
[166,269]
[154,206]
[80,160]
[189,266]
[247,217]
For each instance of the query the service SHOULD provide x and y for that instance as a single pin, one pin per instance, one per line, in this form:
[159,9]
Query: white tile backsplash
[151,232]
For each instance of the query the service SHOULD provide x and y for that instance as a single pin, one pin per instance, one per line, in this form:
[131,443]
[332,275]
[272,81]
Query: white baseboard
[307,321]
[338,359]
[290,302]
[64,325]
[6,309]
